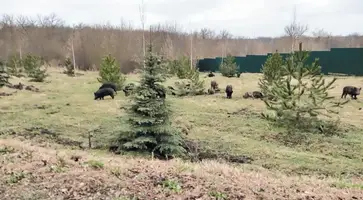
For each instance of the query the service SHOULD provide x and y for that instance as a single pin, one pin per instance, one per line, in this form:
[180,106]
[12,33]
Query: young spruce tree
[192,86]
[299,104]
[15,66]
[181,68]
[4,76]
[151,129]
[69,67]
[33,68]
[272,71]
[110,71]
[229,67]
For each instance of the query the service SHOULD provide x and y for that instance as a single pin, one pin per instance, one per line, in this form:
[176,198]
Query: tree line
[51,38]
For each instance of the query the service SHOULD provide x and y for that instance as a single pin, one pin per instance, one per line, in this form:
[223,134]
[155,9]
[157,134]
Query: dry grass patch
[65,106]
[149,179]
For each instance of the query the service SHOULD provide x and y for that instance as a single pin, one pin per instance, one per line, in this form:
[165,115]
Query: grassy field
[64,112]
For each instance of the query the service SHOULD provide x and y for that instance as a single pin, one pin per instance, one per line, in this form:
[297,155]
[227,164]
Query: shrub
[33,68]
[69,67]
[229,67]
[272,69]
[4,76]
[14,66]
[110,71]
[181,68]
[193,86]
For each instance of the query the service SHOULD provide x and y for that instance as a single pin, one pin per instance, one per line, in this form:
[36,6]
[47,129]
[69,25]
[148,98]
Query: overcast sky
[248,18]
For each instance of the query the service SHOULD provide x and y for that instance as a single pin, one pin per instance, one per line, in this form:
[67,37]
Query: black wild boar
[211,74]
[229,91]
[254,95]
[257,95]
[101,93]
[352,91]
[160,91]
[109,85]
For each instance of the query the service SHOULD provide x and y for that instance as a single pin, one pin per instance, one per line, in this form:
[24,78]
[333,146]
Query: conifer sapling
[272,71]
[33,68]
[14,66]
[110,71]
[4,76]
[301,95]
[150,127]
[229,67]
[69,67]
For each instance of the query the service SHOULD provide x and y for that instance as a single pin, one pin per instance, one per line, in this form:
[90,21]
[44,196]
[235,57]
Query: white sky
[248,18]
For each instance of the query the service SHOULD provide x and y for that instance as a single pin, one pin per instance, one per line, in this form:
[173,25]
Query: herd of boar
[109,89]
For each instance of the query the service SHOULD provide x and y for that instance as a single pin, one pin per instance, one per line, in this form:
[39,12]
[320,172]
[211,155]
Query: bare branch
[51,21]
[206,33]
[321,33]
[295,30]
[224,34]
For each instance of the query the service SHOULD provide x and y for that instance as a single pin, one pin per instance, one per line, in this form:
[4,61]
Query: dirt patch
[197,152]
[40,135]
[23,168]
[4,94]
[39,130]
[244,112]
[21,86]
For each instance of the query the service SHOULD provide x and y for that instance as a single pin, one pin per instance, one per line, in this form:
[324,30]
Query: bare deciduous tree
[206,33]
[224,36]
[49,37]
[323,38]
[321,33]
[143,21]
[295,30]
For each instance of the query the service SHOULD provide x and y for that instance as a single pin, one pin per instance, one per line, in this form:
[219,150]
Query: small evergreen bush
[110,71]
[228,67]
[4,76]
[69,67]
[33,68]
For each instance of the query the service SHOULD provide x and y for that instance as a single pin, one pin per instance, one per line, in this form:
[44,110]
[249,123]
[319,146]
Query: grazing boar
[254,95]
[101,93]
[214,85]
[211,91]
[257,95]
[229,91]
[161,92]
[352,91]
[109,85]
[247,95]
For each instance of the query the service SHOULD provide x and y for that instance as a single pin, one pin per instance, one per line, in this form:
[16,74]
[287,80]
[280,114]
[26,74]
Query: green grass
[65,106]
